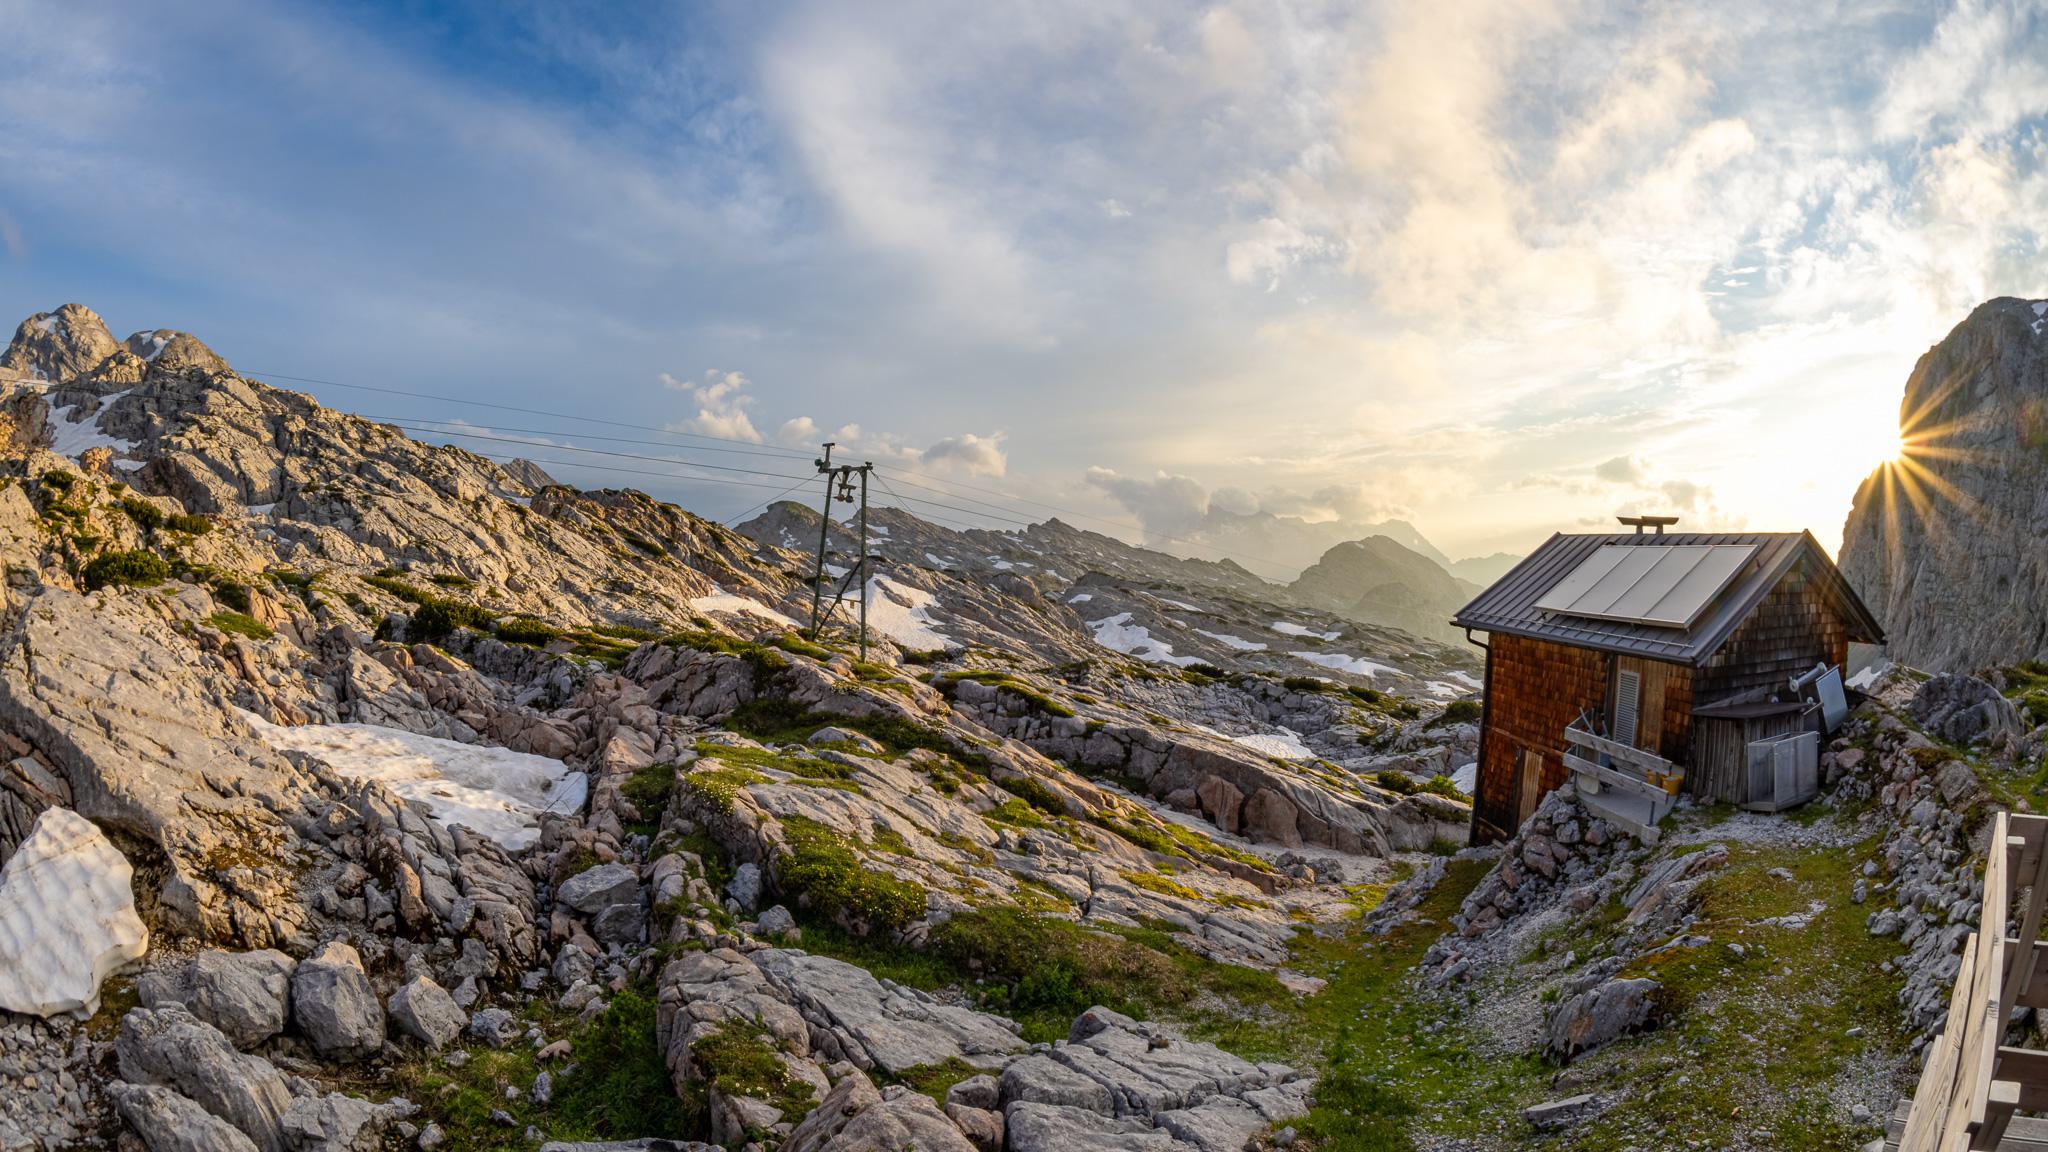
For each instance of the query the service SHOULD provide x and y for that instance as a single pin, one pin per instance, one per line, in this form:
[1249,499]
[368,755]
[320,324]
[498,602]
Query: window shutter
[1628,688]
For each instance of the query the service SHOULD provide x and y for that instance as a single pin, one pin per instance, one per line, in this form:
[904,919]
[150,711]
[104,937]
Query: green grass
[738,1062]
[823,870]
[719,787]
[619,1089]
[240,625]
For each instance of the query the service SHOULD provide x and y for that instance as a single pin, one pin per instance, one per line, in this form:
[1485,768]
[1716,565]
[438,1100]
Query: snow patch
[1083,598]
[67,917]
[48,323]
[1465,777]
[1286,744]
[904,614]
[495,791]
[1869,675]
[1237,642]
[74,437]
[1356,665]
[728,602]
[1180,604]
[1118,634]
[1289,628]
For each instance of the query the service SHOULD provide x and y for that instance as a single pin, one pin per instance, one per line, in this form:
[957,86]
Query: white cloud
[968,454]
[722,403]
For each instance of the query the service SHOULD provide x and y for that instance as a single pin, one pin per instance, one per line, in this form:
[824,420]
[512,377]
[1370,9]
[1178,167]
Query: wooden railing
[1634,770]
[1973,1083]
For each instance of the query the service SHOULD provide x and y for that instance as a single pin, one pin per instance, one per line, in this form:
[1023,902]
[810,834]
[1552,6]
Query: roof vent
[1660,523]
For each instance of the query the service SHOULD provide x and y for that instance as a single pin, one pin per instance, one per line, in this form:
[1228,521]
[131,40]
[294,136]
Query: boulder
[1600,1015]
[745,885]
[424,1011]
[594,889]
[879,1025]
[1221,801]
[168,1122]
[1040,1079]
[335,1123]
[776,921]
[1965,710]
[1032,1127]
[171,1048]
[335,1006]
[67,918]
[982,1092]
[247,995]
[1273,818]
[854,1117]
[496,1027]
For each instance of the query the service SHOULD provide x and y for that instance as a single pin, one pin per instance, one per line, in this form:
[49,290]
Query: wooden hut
[1645,663]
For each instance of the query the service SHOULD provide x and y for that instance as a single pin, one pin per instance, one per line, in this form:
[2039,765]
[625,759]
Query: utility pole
[864,470]
[841,476]
[824,533]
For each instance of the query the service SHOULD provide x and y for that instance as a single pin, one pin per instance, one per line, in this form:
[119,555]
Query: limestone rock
[247,995]
[423,1010]
[594,889]
[1034,1127]
[168,1122]
[67,918]
[854,1117]
[1965,710]
[170,1047]
[149,743]
[58,346]
[892,1028]
[334,1123]
[1959,579]
[1600,1015]
[335,1006]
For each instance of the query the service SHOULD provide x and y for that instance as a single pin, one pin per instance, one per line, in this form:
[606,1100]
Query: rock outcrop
[1944,543]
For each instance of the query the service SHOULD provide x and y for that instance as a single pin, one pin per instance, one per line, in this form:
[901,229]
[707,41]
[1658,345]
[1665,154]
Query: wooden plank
[2027,1068]
[1972,1113]
[1931,1097]
[1609,778]
[1622,752]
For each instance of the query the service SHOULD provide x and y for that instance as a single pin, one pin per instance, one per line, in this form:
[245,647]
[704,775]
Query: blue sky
[1499,268]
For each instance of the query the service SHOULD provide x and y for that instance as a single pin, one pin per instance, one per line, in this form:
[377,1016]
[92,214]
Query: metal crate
[1784,771]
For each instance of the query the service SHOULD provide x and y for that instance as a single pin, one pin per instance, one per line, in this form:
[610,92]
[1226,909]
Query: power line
[613,469]
[763,504]
[596,452]
[399,420]
[510,408]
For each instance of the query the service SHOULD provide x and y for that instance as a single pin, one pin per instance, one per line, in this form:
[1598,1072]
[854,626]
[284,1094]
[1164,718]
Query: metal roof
[1520,602]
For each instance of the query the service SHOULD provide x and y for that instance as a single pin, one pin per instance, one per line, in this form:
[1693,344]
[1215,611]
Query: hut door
[1628,695]
[1528,784]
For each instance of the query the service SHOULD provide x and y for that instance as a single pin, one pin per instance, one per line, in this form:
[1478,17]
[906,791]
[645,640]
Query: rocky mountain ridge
[1957,520]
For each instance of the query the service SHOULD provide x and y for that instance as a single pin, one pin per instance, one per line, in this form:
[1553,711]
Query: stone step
[1637,814]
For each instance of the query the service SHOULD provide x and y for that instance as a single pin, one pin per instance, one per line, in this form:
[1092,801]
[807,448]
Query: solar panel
[1664,585]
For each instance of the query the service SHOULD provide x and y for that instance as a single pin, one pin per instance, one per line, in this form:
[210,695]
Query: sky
[1234,275]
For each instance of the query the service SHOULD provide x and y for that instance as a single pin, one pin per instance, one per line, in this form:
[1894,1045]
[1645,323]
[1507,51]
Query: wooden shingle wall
[1537,687]
[1794,628]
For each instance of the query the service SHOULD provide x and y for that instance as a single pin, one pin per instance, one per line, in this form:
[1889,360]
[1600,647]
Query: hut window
[1628,688]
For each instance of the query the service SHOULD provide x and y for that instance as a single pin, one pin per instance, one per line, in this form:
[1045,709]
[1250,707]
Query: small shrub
[147,516]
[436,619]
[1461,712]
[621,1086]
[528,631]
[1396,781]
[133,568]
[232,594]
[387,582]
[1034,793]
[59,480]
[1204,669]
[1304,684]
[736,1062]
[191,525]
[1443,785]
[719,787]
[927,657]
[451,580]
